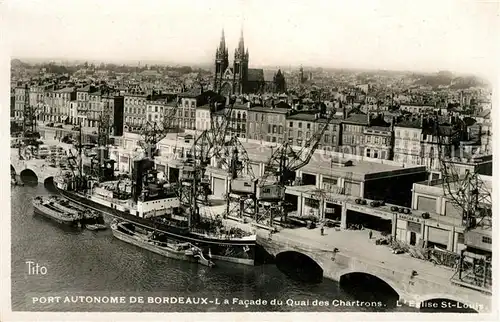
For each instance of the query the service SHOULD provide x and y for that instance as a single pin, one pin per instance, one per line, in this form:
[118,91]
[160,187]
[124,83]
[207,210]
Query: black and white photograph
[243,157]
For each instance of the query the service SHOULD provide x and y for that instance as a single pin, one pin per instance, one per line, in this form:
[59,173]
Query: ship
[64,212]
[158,243]
[152,203]
[50,208]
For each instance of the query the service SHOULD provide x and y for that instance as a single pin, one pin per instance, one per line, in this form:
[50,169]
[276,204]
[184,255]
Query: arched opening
[443,305]
[29,177]
[49,184]
[369,288]
[299,267]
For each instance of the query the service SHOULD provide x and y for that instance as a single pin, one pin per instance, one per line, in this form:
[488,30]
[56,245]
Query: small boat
[96,227]
[157,243]
[49,208]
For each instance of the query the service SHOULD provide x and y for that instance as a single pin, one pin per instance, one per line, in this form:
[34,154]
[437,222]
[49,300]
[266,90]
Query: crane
[282,165]
[242,181]
[153,132]
[193,183]
[469,194]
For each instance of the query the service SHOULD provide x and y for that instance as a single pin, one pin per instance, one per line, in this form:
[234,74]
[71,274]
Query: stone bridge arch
[300,265]
[28,176]
[343,275]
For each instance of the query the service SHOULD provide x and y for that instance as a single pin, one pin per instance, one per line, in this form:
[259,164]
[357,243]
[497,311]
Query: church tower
[240,67]
[221,62]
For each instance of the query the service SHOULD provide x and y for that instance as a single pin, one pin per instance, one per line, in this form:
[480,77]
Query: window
[300,125]
[290,133]
[274,139]
[244,116]
[291,124]
[300,134]
[274,129]
[375,154]
[327,137]
[308,126]
[280,129]
[368,152]
[486,240]
[269,128]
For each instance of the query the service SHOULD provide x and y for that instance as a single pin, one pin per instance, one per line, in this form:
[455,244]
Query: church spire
[222,45]
[241,44]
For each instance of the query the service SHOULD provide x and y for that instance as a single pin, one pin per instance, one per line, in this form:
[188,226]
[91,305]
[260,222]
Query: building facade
[134,112]
[238,78]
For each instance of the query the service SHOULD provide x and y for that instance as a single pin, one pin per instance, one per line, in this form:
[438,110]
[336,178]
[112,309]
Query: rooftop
[360,119]
[409,124]
[263,109]
[66,90]
[255,75]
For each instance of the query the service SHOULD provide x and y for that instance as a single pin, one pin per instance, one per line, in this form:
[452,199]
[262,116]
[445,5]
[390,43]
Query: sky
[453,35]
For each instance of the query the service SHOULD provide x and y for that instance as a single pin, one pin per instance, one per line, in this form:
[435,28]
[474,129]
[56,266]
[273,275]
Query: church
[239,79]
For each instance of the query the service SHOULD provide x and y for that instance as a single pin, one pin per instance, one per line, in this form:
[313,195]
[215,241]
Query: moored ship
[152,203]
[50,208]
[158,243]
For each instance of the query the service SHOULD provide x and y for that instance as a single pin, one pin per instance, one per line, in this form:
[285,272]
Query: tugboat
[51,208]
[158,243]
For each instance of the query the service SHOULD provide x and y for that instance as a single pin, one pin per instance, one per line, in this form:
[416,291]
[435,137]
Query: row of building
[416,140]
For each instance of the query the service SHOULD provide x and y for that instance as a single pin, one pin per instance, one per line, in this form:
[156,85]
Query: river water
[99,267]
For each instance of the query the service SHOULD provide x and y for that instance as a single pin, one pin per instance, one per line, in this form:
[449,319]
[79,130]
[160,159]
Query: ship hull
[163,251]
[239,251]
[39,210]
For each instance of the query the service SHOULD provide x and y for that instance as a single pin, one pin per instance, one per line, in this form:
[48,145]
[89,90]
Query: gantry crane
[30,135]
[282,166]
[469,194]
[153,132]
[233,158]
[193,183]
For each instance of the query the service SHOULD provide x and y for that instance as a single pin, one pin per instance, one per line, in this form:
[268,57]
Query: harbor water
[92,267]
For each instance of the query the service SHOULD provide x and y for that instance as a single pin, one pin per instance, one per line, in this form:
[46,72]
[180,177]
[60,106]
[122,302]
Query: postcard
[298,159]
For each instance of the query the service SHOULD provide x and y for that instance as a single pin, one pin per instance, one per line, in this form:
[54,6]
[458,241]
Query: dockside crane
[282,166]
[233,158]
[153,132]
[469,194]
[30,135]
[209,145]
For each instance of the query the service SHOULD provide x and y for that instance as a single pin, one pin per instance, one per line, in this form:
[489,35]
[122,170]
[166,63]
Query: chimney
[369,117]
[249,104]
[421,121]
